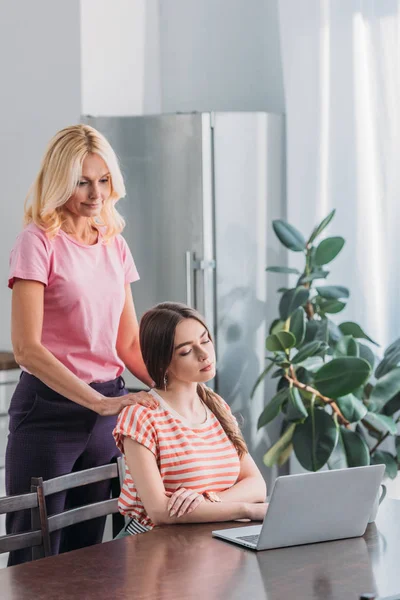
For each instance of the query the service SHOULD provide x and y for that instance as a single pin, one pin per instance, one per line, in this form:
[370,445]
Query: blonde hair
[59,174]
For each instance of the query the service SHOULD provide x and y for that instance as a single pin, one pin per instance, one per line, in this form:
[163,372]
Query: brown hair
[157,334]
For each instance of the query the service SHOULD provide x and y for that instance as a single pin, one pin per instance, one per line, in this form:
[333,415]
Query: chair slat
[82,513]
[19,541]
[20,502]
[79,478]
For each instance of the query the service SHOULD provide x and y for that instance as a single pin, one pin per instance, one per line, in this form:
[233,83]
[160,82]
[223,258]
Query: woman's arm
[26,334]
[128,347]
[144,470]
[250,485]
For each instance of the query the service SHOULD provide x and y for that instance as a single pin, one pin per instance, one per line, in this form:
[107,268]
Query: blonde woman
[74,328]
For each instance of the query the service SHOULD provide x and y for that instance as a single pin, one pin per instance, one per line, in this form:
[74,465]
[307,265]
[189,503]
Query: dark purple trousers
[50,436]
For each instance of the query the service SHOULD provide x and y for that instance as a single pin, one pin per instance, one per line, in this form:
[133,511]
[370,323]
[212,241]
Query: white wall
[40,93]
[151,56]
[220,55]
[120,57]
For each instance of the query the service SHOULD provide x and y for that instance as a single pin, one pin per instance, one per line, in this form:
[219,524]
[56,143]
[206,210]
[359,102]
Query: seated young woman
[186,461]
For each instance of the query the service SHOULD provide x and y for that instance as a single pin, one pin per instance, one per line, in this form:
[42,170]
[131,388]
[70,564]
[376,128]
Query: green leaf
[324,223]
[315,439]
[341,376]
[276,325]
[392,406]
[331,306]
[380,457]
[351,408]
[315,274]
[298,325]
[278,373]
[276,451]
[282,384]
[397,444]
[355,448]
[285,455]
[367,354]
[350,328]
[327,250]
[289,236]
[386,365]
[260,378]
[390,360]
[296,410]
[311,365]
[385,389]
[272,409]
[334,333]
[333,292]
[283,340]
[310,349]
[347,346]
[279,357]
[283,270]
[291,300]
[317,330]
[382,423]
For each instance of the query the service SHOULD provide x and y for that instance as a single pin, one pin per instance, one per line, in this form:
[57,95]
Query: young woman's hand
[183,501]
[114,405]
[257,511]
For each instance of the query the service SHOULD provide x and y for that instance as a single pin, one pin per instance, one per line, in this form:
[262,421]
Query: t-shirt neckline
[74,241]
[169,409]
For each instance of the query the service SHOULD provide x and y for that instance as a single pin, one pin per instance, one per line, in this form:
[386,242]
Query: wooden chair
[79,514]
[36,538]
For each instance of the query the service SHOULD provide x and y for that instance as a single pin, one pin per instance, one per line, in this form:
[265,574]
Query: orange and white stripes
[201,458]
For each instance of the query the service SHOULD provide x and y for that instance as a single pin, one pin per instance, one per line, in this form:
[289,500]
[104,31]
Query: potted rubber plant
[338,403]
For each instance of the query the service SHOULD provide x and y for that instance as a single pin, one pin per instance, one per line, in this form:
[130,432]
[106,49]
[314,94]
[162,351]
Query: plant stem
[306,388]
[309,310]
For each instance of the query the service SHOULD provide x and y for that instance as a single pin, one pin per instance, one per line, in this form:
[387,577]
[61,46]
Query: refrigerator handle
[189,293]
[192,264]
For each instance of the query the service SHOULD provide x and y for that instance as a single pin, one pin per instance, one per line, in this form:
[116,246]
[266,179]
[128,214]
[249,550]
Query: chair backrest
[73,480]
[35,538]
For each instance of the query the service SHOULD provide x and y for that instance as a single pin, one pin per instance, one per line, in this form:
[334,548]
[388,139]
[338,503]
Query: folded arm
[144,470]
[250,485]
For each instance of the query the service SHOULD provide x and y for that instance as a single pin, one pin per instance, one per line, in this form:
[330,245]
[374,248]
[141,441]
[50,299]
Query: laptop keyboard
[253,539]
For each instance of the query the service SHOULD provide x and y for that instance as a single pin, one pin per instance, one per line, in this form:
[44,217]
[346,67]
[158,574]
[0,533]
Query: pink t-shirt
[83,297]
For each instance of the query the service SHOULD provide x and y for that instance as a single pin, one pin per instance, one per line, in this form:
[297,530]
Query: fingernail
[172,513]
[180,513]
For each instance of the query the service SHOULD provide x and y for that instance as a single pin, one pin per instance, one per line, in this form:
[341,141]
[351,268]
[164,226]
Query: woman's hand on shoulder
[113,405]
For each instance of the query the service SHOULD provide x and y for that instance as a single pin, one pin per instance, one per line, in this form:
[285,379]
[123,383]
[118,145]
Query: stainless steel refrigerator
[202,191]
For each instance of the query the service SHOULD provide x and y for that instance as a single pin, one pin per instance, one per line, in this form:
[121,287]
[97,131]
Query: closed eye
[185,353]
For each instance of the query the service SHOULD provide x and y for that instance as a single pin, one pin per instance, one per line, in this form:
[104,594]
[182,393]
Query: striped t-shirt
[199,457]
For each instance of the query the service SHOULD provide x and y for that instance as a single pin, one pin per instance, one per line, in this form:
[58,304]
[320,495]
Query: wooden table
[186,563]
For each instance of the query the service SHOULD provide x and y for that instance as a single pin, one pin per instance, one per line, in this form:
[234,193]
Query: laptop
[313,507]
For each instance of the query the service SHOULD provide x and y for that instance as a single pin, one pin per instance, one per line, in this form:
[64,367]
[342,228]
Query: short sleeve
[130,271]
[29,259]
[137,423]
